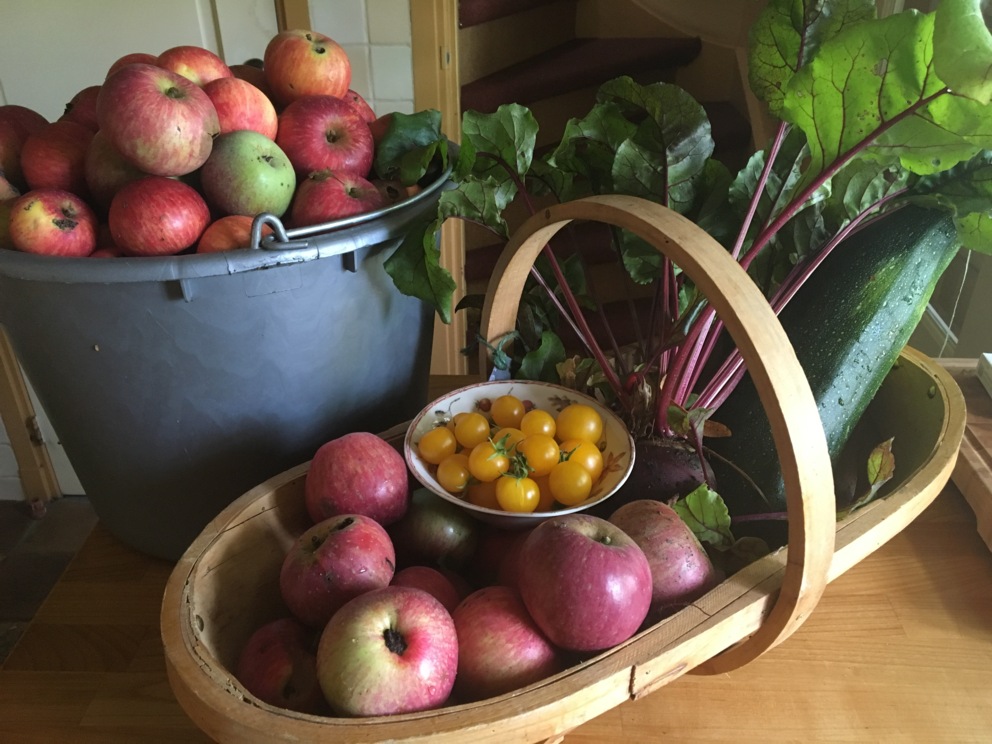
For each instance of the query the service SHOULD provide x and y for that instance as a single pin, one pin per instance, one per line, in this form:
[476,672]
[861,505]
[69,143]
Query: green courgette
[848,324]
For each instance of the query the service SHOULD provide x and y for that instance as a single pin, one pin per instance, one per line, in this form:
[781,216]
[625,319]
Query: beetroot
[664,469]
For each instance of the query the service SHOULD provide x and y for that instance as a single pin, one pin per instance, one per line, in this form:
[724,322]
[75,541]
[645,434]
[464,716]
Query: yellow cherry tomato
[547,501]
[541,453]
[486,462]
[437,444]
[482,494]
[507,437]
[453,473]
[453,421]
[517,494]
[507,410]
[471,429]
[537,421]
[586,453]
[579,421]
[570,483]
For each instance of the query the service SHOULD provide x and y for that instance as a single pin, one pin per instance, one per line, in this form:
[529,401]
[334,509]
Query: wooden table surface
[899,649]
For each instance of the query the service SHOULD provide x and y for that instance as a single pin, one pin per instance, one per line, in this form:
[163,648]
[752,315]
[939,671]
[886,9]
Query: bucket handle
[279,240]
[771,361]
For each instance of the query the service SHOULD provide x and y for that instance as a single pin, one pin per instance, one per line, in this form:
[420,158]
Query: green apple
[247,173]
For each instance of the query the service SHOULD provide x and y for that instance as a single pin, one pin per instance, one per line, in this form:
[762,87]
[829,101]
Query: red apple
[247,173]
[53,157]
[434,532]
[194,63]
[357,473]
[160,121]
[500,648]
[333,562]
[240,105]
[52,222]
[324,132]
[106,171]
[143,58]
[301,63]
[105,245]
[157,216]
[278,665]
[5,206]
[228,233]
[253,74]
[324,196]
[681,570]
[389,651]
[585,582]
[11,144]
[379,127]
[16,124]
[81,108]
[497,555]
[24,120]
[361,105]
[432,581]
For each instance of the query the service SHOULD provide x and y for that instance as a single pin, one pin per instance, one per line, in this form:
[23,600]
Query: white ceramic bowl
[616,444]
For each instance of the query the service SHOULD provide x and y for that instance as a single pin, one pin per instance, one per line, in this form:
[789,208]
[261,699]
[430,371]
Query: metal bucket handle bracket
[279,240]
[771,361]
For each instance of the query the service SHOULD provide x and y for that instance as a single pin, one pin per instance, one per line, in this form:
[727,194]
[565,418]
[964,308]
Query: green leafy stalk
[875,113]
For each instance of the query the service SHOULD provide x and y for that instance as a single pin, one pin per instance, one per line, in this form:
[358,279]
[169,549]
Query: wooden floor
[898,650]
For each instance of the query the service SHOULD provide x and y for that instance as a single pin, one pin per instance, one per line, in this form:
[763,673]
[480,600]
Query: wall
[376,35]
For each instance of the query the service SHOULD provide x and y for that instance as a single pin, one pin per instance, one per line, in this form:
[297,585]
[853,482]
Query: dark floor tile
[10,634]
[63,529]
[15,520]
[26,578]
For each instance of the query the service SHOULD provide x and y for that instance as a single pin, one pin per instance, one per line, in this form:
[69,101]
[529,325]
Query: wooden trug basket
[226,584]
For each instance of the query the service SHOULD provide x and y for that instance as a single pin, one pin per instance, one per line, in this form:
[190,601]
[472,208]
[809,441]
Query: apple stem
[394,641]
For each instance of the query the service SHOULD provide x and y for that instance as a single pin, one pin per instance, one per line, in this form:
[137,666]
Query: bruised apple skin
[357,473]
[333,562]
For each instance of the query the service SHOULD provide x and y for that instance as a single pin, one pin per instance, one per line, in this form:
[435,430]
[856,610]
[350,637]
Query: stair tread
[578,63]
[476,12]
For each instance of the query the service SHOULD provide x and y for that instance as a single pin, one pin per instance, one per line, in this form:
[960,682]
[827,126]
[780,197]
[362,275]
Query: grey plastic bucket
[176,384]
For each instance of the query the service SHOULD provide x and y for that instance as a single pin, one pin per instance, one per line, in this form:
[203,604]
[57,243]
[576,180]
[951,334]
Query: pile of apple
[178,152]
[398,601]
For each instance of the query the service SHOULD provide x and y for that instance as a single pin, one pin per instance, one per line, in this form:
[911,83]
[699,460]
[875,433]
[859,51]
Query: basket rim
[657,655]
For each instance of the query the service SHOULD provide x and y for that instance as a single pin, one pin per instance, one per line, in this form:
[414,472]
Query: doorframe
[434,46]
[292,14]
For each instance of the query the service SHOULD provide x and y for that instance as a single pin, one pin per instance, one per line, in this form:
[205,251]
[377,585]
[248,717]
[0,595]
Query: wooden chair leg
[17,412]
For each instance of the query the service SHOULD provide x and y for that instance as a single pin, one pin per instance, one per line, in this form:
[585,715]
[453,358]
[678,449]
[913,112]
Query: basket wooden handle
[771,362]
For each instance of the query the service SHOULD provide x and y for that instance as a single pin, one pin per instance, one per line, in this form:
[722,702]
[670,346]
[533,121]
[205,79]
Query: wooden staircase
[531,52]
